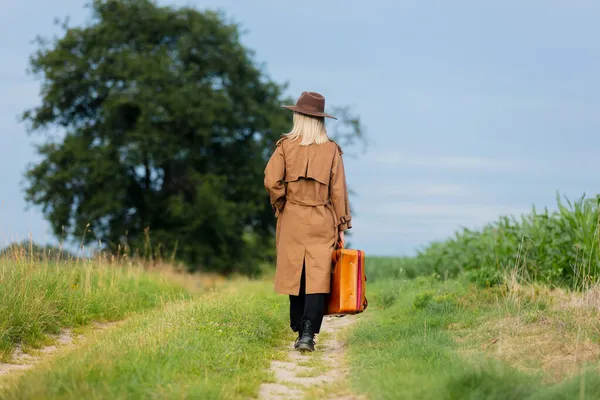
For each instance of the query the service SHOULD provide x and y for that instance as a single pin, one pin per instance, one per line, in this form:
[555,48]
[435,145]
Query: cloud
[438,189]
[403,227]
[402,159]
[454,213]
[370,228]
[415,189]
[17,96]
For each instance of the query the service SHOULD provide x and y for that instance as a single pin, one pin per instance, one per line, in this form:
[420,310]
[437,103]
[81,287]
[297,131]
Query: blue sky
[473,109]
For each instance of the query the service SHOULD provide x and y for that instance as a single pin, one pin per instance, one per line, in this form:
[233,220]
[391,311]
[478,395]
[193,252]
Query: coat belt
[312,203]
[308,203]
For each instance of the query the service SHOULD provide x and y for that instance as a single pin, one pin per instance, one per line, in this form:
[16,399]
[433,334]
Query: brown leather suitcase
[348,283]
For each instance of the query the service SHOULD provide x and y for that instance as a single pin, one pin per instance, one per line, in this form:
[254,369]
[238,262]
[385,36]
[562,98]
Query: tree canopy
[158,124]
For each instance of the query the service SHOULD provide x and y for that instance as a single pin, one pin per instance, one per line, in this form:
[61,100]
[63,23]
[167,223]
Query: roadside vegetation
[507,312]
[215,346]
[427,339]
[40,297]
[558,248]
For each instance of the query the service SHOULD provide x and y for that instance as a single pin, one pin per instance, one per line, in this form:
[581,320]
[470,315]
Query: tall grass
[522,338]
[450,340]
[559,248]
[388,268]
[41,297]
[216,346]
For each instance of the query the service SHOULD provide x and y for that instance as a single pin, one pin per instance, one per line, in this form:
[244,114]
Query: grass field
[428,339]
[558,248]
[43,297]
[508,312]
[421,338]
[215,346]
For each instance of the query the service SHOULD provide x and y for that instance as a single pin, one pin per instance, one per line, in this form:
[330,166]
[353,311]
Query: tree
[166,123]
[29,250]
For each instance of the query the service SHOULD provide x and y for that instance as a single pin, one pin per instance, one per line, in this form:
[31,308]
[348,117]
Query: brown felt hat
[311,103]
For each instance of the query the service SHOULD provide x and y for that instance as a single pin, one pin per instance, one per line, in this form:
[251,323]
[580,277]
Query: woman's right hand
[341,240]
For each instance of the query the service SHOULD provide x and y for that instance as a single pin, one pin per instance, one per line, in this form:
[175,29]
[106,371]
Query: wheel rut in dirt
[21,361]
[319,375]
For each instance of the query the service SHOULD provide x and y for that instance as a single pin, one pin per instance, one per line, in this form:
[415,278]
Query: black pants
[307,306]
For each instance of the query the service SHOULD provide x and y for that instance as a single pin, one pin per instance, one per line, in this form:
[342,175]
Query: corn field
[559,248]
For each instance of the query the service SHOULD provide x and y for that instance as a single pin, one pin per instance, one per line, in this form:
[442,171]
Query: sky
[472,109]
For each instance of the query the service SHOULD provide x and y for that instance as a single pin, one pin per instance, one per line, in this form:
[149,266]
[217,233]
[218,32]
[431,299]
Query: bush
[389,268]
[423,299]
[434,301]
[32,251]
[389,297]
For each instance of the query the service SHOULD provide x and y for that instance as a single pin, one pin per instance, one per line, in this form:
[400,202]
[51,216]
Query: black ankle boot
[307,338]
[298,339]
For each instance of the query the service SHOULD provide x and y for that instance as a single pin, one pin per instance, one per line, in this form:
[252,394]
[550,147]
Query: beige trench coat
[308,192]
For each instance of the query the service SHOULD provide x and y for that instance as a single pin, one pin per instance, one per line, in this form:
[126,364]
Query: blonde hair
[310,129]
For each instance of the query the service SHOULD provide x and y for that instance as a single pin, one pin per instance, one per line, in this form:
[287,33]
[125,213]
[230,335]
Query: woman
[307,186]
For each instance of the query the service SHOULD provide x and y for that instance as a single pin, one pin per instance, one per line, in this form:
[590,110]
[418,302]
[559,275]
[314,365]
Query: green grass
[559,248]
[386,268]
[217,346]
[39,298]
[407,347]
[518,324]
